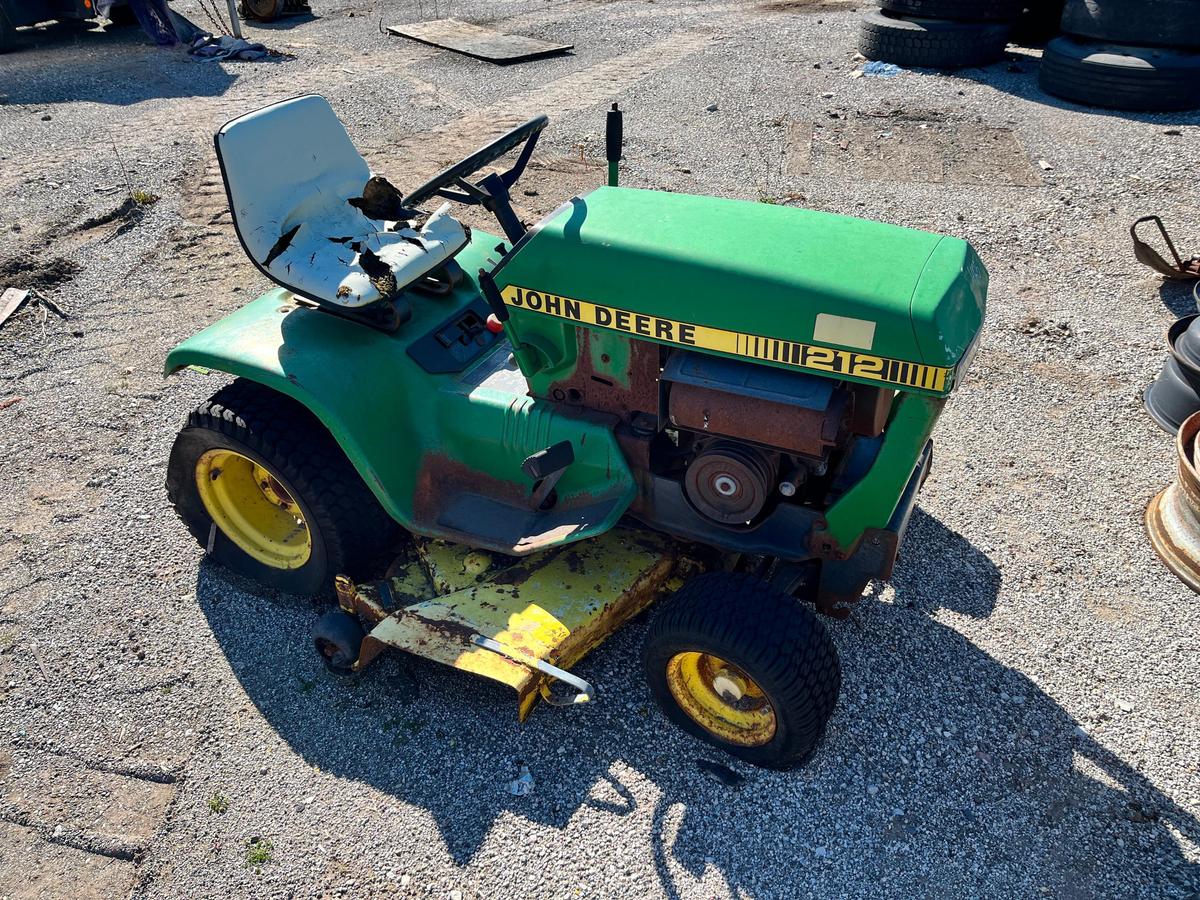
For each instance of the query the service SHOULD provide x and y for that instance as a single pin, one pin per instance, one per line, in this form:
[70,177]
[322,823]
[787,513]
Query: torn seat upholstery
[290,171]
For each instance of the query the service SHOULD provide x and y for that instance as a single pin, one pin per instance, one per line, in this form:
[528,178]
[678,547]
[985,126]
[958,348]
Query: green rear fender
[338,370]
[415,438]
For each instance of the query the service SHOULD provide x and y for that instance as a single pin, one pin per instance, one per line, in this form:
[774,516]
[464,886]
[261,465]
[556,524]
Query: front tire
[745,668]
[263,486]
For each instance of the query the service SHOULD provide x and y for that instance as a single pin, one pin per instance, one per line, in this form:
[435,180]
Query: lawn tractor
[724,406]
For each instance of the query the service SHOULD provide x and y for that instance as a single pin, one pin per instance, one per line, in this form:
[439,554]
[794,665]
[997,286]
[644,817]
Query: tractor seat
[290,171]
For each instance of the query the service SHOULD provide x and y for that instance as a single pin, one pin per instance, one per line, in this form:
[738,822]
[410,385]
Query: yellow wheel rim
[253,509]
[721,698]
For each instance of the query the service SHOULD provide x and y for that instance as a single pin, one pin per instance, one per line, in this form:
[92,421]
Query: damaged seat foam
[290,171]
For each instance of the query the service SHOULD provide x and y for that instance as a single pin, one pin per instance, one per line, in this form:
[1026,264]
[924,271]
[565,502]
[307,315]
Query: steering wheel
[456,175]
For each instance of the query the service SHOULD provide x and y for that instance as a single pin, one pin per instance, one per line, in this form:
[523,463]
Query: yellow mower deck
[549,608]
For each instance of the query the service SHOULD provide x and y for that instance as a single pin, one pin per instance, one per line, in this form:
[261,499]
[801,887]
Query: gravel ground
[1019,704]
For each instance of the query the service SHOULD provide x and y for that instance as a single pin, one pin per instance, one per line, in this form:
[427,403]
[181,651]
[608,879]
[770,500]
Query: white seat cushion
[289,170]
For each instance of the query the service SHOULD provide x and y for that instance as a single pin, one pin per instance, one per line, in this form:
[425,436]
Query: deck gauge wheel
[338,637]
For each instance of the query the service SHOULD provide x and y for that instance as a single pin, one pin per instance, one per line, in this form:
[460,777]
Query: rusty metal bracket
[1182,270]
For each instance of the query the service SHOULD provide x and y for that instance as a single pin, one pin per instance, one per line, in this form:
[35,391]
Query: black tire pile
[1120,54]
[1126,54]
[939,34]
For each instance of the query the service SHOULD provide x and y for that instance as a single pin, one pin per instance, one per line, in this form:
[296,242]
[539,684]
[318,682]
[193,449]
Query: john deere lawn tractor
[720,405]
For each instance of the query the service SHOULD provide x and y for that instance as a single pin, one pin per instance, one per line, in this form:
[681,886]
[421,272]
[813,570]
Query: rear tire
[1160,23]
[957,10]
[743,667]
[1119,77]
[932,43]
[248,424]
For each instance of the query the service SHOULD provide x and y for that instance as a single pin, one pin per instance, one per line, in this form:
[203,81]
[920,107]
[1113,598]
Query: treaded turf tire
[932,43]
[348,528]
[1119,77]
[957,10]
[772,638]
[1140,23]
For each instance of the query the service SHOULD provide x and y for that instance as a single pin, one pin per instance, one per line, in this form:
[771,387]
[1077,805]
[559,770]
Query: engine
[743,438]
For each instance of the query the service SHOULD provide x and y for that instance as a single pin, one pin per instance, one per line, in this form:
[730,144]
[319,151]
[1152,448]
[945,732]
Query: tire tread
[939,45]
[1094,83]
[354,526]
[769,634]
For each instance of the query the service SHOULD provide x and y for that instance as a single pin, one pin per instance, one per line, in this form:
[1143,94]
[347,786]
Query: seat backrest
[284,164]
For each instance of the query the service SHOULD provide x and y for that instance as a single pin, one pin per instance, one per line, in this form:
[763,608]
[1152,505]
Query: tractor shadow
[942,766]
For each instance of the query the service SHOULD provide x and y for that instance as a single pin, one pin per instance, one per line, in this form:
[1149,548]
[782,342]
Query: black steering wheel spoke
[473,192]
[443,183]
[510,177]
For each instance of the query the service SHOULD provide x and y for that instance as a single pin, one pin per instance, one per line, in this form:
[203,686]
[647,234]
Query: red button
[494,325]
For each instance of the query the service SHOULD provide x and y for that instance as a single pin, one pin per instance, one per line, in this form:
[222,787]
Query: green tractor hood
[834,295]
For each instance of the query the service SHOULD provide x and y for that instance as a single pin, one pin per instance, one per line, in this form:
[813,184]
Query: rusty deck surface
[554,606]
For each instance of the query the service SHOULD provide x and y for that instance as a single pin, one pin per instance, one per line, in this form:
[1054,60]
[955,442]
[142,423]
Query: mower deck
[551,608]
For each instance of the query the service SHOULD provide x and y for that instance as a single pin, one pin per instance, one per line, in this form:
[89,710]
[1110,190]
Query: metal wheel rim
[721,698]
[253,509]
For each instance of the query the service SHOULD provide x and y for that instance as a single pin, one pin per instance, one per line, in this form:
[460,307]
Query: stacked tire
[270,10]
[1126,54]
[940,34]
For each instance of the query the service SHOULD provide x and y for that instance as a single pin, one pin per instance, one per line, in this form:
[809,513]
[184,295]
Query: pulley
[729,482]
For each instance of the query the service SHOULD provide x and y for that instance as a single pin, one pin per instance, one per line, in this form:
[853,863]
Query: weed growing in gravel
[258,852]
[218,804]
[143,198]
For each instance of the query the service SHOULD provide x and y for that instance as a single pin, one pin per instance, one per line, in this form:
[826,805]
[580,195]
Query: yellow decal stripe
[686,334]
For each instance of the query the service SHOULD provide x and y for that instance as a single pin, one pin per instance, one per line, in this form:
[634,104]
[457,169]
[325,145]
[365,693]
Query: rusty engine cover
[791,411]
